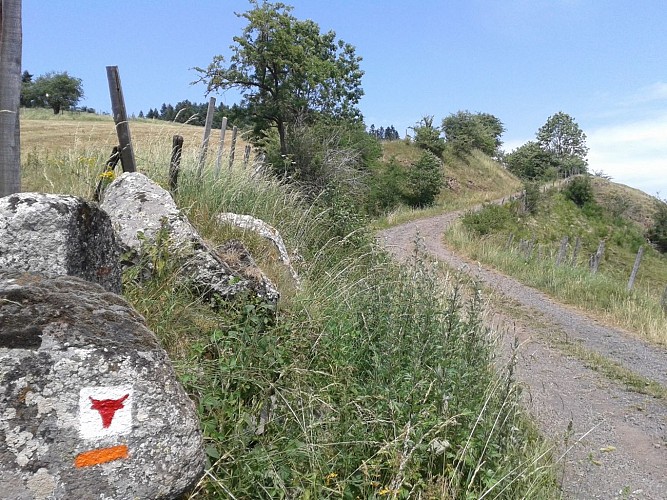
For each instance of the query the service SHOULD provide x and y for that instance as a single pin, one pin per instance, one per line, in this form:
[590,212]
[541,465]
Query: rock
[89,404]
[265,231]
[138,206]
[59,235]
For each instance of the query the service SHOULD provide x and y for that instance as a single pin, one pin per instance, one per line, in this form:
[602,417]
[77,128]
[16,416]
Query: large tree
[57,91]
[10,91]
[466,131]
[562,137]
[287,70]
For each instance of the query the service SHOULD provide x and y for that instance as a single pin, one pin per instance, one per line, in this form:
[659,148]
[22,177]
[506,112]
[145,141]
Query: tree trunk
[10,94]
[283,137]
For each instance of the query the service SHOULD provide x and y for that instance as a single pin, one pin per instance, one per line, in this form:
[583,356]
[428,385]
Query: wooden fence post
[575,252]
[246,155]
[232,150]
[635,268]
[596,258]
[175,163]
[109,167]
[218,162]
[562,251]
[120,119]
[207,134]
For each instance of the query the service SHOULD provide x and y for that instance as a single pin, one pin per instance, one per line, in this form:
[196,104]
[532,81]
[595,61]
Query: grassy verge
[604,293]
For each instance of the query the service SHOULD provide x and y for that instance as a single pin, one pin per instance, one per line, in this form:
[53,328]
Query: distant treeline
[195,114]
[384,134]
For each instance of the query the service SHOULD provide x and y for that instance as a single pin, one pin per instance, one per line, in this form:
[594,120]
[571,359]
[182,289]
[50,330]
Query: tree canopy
[58,91]
[466,131]
[287,70]
[562,137]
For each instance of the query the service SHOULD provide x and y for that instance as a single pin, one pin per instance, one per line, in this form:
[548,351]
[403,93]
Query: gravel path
[614,441]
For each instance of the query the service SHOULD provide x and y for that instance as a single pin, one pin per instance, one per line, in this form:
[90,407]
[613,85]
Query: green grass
[604,294]
[371,380]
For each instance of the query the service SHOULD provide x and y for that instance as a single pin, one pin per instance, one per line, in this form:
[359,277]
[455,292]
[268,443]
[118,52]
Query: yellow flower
[108,175]
[329,477]
[384,491]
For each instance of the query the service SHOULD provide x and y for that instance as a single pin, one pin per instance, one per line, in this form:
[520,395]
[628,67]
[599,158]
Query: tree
[466,131]
[428,137]
[562,137]
[57,91]
[424,181]
[288,71]
[531,162]
[10,94]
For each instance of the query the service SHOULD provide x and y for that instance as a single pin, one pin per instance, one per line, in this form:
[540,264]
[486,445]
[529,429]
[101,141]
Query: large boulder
[60,235]
[143,212]
[89,404]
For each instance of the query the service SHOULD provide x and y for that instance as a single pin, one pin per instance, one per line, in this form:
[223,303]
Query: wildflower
[329,477]
[384,491]
[109,175]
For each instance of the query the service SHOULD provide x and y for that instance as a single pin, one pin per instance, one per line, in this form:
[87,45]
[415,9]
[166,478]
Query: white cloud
[633,153]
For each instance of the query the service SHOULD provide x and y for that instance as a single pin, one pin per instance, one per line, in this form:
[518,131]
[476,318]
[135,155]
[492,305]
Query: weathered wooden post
[575,252]
[175,163]
[107,173]
[232,149]
[120,119]
[246,155]
[510,239]
[562,251]
[596,258]
[218,162]
[635,268]
[207,134]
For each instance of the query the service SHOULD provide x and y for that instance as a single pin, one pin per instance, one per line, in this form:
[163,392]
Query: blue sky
[604,62]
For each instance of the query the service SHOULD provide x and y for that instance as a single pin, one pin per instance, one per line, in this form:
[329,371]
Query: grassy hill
[525,246]
[371,380]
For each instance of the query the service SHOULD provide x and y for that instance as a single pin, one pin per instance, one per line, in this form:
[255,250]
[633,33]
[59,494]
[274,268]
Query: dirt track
[613,440]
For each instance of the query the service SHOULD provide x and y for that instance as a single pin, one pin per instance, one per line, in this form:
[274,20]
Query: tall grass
[371,380]
[604,293]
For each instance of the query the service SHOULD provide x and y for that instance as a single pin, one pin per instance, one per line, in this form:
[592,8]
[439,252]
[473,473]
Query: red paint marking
[107,408]
[100,456]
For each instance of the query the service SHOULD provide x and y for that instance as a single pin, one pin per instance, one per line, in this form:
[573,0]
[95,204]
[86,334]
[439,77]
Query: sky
[603,62]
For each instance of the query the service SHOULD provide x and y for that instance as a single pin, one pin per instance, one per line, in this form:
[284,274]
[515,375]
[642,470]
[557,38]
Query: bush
[428,137]
[532,190]
[657,234]
[491,219]
[424,181]
[579,190]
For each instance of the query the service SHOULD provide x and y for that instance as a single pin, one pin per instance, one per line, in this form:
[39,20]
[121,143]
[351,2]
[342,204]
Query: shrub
[657,234]
[579,190]
[532,190]
[424,181]
[428,137]
[491,219]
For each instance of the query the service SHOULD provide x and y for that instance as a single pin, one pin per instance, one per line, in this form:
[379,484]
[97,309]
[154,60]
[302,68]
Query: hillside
[333,394]
[526,245]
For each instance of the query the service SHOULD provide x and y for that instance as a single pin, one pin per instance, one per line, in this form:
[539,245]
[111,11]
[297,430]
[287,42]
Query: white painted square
[97,404]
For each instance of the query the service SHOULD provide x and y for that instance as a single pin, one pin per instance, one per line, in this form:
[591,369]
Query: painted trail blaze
[105,411]
[100,456]
[107,408]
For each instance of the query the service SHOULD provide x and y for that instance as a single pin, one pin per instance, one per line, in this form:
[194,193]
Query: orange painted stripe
[101,456]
